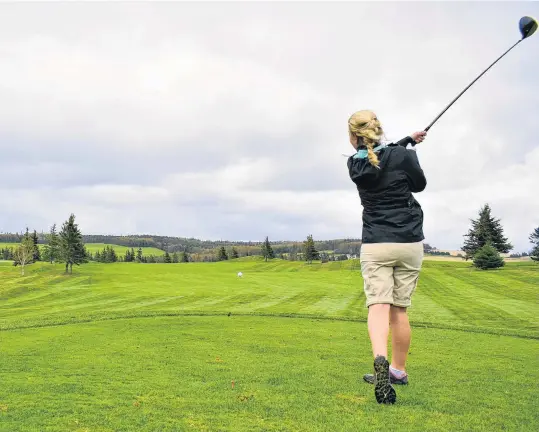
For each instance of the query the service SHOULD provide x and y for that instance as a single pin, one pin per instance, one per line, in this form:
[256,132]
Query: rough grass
[114,348]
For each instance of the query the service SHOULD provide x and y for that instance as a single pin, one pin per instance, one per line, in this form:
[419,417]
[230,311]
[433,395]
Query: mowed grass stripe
[469,303]
[450,295]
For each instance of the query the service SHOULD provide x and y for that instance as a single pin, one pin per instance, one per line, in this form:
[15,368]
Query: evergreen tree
[51,251]
[534,254]
[235,253]
[112,257]
[534,238]
[222,256]
[309,250]
[487,257]
[72,249]
[267,251]
[129,255]
[4,254]
[167,259]
[484,230]
[139,255]
[37,253]
[175,258]
[185,257]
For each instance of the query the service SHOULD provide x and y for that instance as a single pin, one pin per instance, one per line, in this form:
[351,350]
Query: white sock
[398,373]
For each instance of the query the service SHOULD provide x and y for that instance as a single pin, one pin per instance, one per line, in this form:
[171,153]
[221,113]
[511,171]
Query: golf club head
[527,26]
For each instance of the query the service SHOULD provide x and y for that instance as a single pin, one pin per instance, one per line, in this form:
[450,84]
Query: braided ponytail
[365,125]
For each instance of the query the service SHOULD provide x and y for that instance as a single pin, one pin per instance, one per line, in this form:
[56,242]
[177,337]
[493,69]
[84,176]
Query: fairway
[145,347]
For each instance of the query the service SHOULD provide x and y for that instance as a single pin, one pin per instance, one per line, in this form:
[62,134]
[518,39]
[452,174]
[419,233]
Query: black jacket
[390,212]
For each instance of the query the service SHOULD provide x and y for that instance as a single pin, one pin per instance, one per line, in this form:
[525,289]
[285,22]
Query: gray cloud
[229,120]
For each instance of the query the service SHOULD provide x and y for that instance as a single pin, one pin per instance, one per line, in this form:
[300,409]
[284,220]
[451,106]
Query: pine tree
[72,249]
[534,254]
[222,256]
[25,252]
[485,229]
[235,254]
[267,251]
[175,258]
[51,251]
[113,256]
[37,253]
[185,257]
[534,238]
[167,259]
[487,257]
[139,255]
[309,250]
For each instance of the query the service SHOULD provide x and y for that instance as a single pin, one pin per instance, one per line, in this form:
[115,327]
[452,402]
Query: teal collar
[362,154]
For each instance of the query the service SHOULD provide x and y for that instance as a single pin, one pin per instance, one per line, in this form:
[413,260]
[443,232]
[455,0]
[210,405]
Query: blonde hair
[365,125]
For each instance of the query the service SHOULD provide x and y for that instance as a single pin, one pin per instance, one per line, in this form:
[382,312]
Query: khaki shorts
[390,272]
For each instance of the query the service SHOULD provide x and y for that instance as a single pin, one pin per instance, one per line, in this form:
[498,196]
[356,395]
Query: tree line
[109,255]
[204,248]
[66,247]
[483,244]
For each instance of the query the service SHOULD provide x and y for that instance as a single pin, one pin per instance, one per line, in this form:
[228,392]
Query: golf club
[527,26]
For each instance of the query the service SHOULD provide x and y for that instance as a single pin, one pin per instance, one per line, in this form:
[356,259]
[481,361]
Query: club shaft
[462,92]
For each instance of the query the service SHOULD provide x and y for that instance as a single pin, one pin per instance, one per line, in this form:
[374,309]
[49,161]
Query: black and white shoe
[383,390]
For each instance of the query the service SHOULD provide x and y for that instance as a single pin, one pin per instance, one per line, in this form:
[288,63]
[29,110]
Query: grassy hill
[145,347]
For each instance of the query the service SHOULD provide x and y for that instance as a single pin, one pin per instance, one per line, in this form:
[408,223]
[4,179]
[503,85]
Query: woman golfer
[392,242]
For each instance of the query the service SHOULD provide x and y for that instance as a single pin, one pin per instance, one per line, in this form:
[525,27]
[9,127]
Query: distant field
[94,247]
[192,347]
[146,251]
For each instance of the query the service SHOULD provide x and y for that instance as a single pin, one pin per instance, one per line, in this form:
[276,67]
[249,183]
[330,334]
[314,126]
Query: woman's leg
[377,270]
[400,337]
[406,275]
[378,324]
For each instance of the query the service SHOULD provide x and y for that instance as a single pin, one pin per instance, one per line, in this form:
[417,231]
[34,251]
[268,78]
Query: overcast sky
[228,121]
